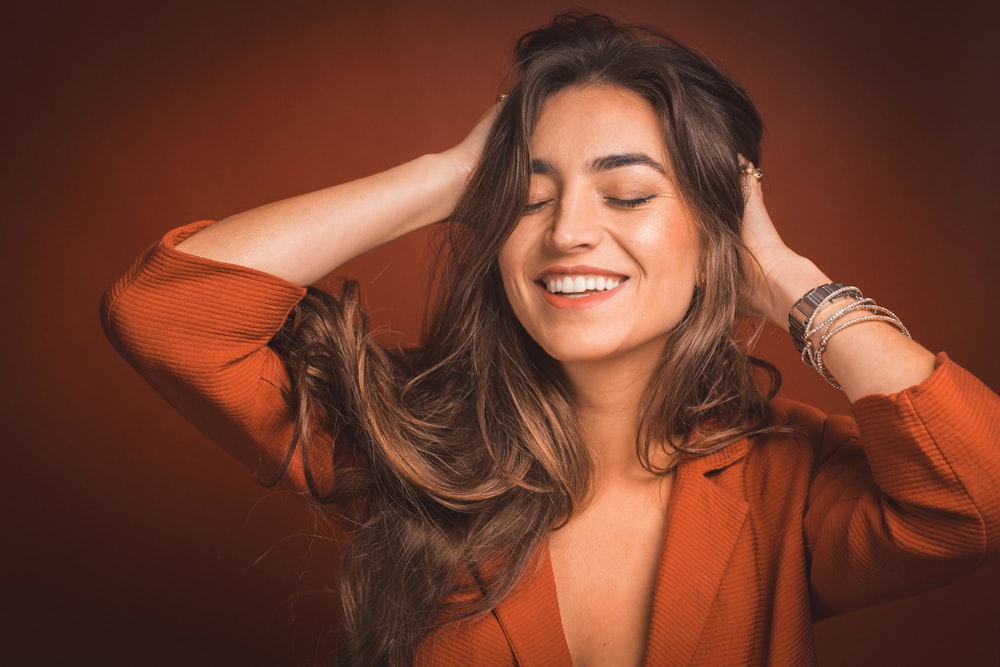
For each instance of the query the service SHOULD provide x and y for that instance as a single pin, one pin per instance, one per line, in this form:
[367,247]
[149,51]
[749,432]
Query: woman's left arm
[921,504]
[872,357]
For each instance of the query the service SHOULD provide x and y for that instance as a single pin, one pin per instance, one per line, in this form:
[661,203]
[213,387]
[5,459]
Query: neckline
[702,526]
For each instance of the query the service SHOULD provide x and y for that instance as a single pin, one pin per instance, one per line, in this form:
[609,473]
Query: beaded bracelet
[808,351]
[801,315]
[857,304]
[887,316]
[803,332]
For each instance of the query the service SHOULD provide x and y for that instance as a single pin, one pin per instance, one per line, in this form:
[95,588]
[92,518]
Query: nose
[575,224]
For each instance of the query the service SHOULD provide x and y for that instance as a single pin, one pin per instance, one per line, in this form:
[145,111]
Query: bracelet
[889,317]
[803,327]
[808,352]
[801,315]
[850,308]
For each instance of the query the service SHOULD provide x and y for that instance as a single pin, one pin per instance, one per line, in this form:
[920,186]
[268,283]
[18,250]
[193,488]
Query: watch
[804,308]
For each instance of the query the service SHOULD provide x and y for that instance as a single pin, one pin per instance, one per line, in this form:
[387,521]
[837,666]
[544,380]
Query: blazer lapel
[703,525]
[530,618]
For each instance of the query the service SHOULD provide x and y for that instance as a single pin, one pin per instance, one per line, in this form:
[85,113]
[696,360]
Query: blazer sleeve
[915,506]
[198,331]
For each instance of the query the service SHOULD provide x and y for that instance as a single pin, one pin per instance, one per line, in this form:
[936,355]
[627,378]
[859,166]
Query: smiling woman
[581,435]
[601,209]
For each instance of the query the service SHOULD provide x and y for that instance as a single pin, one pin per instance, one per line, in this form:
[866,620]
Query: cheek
[511,261]
[511,258]
[674,247]
[507,270]
[509,278]
[687,242]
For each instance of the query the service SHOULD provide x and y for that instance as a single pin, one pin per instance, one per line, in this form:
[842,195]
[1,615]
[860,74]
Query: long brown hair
[455,459]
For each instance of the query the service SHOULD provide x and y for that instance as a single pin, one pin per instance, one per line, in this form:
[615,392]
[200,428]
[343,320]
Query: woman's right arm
[304,238]
[194,315]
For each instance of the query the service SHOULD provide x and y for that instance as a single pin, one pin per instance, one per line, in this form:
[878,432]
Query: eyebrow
[604,163]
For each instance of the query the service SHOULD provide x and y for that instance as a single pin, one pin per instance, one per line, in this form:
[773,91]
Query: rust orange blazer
[761,538]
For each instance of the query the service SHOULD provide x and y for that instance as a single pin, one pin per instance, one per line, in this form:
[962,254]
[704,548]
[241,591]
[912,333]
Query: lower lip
[579,302]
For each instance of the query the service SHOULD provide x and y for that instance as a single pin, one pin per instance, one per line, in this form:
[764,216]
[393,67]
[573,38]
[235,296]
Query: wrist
[448,176]
[815,306]
[459,163]
[787,282]
[824,313]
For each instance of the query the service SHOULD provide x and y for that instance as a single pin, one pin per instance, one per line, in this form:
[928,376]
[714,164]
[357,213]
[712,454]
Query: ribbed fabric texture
[198,331]
[760,538]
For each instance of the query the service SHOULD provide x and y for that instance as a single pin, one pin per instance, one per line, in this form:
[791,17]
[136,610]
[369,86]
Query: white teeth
[580,284]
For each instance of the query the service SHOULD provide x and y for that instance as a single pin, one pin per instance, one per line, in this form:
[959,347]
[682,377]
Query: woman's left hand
[871,359]
[783,275]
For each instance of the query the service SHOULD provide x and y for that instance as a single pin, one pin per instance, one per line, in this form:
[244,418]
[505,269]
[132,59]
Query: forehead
[591,121]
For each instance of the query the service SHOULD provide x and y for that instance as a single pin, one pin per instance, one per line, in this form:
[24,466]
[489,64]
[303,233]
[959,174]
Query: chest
[724,557]
[604,563]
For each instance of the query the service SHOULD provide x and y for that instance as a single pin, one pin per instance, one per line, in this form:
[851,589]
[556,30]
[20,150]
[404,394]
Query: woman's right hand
[304,238]
[466,154]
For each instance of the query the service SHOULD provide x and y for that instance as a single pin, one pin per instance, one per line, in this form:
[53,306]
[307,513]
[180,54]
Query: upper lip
[578,270]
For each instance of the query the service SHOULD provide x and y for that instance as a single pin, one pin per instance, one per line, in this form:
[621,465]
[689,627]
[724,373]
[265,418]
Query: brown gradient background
[131,540]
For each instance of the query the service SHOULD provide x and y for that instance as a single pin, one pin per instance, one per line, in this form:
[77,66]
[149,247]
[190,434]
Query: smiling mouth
[574,286]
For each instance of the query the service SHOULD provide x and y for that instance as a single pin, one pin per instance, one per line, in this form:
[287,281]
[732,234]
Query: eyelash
[535,206]
[628,203]
[614,201]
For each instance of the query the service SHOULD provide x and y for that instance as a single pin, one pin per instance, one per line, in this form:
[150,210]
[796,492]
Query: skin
[870,358]
[613,544]
[601,199]
[624,217]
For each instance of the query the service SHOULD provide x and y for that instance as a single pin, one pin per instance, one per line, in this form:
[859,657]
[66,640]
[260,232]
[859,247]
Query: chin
[562,351]
[573,354]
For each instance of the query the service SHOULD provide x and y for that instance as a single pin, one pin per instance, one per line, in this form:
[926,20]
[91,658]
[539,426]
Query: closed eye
[531,207]
[628,203]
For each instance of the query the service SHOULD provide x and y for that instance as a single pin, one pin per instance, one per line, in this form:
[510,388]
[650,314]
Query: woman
[578,463]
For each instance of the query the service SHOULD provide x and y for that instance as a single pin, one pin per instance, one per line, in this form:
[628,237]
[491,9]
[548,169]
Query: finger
[753,172]
[752,177]
[759,230]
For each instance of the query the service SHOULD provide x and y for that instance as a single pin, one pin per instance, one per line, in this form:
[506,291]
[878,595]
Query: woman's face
[603,263]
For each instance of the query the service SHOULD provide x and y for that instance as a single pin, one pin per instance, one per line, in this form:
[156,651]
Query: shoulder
[805,419]
[796,438]
[809,433]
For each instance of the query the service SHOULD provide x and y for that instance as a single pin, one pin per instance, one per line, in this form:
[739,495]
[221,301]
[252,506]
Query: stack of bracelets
[802,323]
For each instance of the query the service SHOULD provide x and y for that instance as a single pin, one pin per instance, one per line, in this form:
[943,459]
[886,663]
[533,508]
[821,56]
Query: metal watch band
[803,310]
